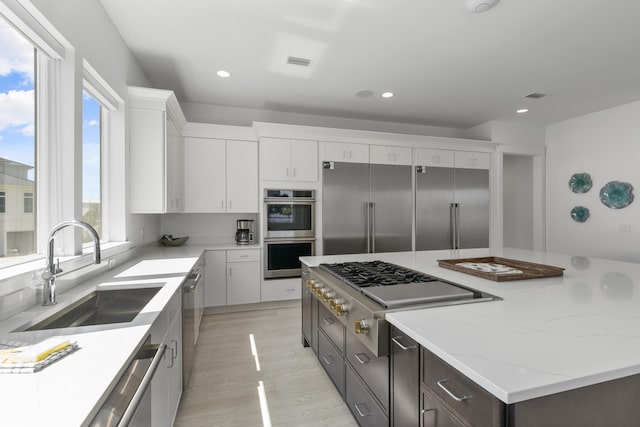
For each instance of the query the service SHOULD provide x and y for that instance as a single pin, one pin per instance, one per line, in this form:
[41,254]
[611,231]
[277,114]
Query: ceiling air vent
[303,62]
[535,95]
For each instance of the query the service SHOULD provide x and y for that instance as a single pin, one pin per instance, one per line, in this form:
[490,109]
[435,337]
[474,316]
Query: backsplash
[204,228]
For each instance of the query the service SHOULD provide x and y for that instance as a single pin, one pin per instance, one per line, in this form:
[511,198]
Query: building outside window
[17,142]
[28,202]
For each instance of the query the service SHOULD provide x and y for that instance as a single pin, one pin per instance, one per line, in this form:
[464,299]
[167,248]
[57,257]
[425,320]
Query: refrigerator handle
[368,209]
[454,224]
[457,225]
[373,227]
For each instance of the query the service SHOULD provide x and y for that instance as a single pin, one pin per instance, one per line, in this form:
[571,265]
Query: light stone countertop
[545,336]
[67,392]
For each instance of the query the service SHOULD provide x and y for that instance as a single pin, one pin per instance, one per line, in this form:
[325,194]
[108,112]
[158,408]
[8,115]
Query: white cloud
[28,130]
[91,123]
[16,108]
[16,52]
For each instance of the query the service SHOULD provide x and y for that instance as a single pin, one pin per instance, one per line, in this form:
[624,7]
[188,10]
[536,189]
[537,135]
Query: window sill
[33,263]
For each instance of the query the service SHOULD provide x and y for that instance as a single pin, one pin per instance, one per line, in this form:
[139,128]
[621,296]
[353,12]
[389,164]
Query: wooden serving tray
[529,270]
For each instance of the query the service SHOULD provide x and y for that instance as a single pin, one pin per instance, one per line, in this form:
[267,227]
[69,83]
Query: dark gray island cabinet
[448,398]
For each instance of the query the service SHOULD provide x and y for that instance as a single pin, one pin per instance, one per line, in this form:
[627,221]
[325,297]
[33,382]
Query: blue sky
[17,112]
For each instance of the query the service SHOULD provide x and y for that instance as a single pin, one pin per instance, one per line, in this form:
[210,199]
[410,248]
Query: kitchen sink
[99,308]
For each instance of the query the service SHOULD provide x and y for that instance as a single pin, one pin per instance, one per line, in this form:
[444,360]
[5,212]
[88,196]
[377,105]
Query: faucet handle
[57,268]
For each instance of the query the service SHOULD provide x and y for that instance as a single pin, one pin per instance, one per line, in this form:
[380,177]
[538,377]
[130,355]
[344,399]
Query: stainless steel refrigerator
[366,208]
[452,208]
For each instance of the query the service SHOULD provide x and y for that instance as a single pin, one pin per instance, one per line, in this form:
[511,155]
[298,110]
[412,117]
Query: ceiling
[446,66]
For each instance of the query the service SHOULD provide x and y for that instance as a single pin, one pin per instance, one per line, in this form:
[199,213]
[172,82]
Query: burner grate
[361,275]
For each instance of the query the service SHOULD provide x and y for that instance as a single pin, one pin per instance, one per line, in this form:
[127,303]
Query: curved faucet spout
[49,275]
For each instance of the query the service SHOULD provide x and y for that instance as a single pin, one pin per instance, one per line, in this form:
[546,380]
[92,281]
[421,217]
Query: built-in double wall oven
[289,231]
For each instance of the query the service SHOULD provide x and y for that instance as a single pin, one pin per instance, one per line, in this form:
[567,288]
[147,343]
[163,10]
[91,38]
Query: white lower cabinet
[243,276]
[166,387]
[280,289]
[232,277]
[215,278]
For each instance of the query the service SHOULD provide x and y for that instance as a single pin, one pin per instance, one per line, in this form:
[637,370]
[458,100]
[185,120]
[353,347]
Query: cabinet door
[174,159]
[243,282]
[382,154]
[304,160]
[205,175]
[436,415]
[434,158]
[335,152]
[215,278]
[472,160]
[242,176]
[358,153]
[274,159]
[174,367]
[147,161]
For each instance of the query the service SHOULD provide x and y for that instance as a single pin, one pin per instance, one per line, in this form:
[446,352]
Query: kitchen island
[543,337]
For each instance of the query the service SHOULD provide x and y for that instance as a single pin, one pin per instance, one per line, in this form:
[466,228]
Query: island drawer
[331,326]
[466,399]
[435,414]
[373,370]
[362,404]
[331,361]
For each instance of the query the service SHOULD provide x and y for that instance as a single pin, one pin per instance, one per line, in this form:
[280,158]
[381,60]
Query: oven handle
[285,201]
[289,239]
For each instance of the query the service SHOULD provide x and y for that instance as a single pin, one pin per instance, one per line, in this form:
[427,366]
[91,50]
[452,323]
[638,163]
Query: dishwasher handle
[142,388]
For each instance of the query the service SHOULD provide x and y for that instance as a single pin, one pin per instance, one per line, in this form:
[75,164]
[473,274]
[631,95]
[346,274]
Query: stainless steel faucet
[52,269]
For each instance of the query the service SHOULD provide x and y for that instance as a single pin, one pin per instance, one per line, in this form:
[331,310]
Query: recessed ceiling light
[223,73]
[388,94]
[522,110]
[364,94]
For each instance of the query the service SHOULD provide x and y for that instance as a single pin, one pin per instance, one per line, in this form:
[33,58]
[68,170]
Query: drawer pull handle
[328,321]
[362,358]
[399,344]
[328,360]
[442,383]
[424,411]
[362,412]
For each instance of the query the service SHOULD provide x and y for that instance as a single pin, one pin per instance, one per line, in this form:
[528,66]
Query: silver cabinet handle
[457,225]
[454,225]
[442,383]
[328,359]
[230,271]
[365,412]
[396,340]
[362,358]
[172,358]
[287,172]
[328,321]
[230,205]
[221,204]
[294,172]
[368,209]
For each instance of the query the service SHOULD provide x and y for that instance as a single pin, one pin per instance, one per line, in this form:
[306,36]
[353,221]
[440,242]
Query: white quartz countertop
[66,393]
[545,336]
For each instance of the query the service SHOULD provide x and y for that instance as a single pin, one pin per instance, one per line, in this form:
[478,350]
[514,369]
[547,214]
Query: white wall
[89,30]
[218,114]
[605,144]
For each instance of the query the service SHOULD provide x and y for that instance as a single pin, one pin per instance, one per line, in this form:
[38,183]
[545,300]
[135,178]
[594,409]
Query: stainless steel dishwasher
[192,308]
[129,403]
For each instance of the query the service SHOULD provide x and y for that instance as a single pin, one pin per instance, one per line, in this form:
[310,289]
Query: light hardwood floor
[225,379]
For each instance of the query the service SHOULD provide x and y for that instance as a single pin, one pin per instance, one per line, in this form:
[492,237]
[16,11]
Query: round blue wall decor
[580,214]
[616,194]
[580,182]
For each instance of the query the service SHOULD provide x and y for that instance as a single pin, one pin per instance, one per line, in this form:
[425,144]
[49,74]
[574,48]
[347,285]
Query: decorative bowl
[168,240]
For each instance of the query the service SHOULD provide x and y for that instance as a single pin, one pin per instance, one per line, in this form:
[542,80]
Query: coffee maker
[244,233]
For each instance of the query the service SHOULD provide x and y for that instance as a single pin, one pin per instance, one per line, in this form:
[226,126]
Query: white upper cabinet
[472,160]
[242,176]
[220,176]
[383,154]
[288,159]
[344,152]
[205,175]
[434,158]
[155,151]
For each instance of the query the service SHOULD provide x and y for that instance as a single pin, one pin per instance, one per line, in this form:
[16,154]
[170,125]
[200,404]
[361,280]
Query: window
[28,202]
[91,163]
[17,142]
